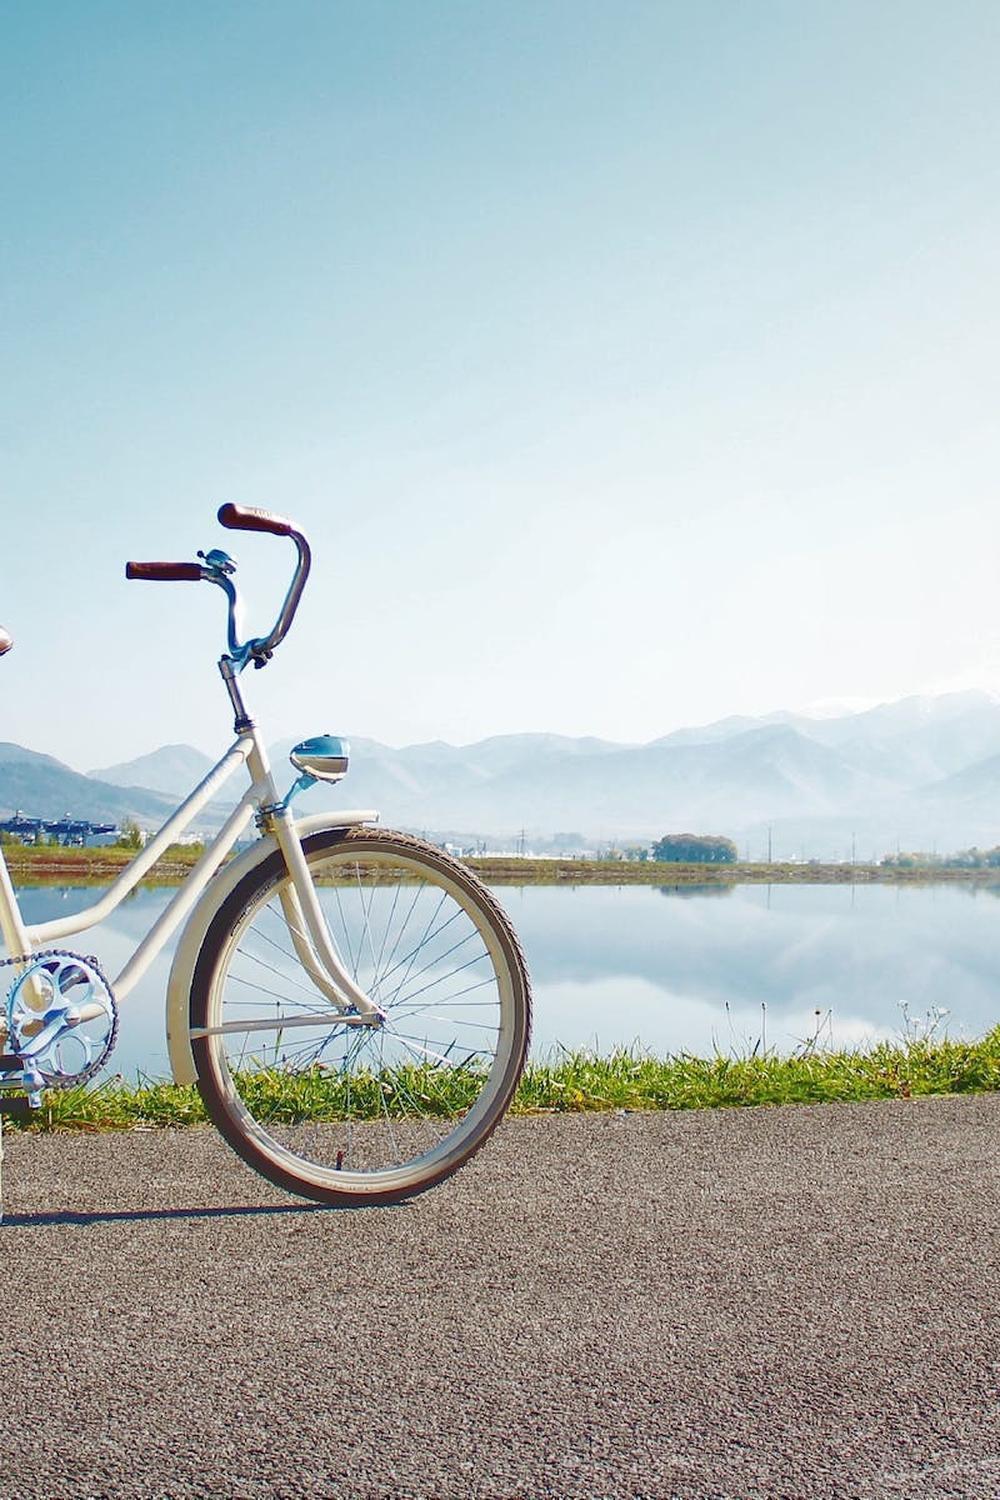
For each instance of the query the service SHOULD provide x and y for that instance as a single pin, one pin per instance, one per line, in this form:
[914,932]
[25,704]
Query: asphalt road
[772,1302]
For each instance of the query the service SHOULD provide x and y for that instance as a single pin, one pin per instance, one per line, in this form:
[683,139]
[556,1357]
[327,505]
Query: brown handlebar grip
[164,572]
[249,518]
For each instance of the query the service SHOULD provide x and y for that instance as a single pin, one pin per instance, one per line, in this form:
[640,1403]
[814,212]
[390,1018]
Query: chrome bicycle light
[325,757]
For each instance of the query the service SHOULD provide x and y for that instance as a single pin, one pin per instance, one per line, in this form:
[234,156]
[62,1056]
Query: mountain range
[922,772]
[42,787]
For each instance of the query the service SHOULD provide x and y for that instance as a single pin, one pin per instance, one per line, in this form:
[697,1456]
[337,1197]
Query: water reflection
[716,889]
[625,965]
[675,968]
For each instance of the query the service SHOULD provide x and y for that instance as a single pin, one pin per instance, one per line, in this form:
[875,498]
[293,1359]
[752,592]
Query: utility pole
[769,843]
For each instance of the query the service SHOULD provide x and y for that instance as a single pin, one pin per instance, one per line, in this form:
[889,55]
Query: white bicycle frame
[307,926]
[207,886]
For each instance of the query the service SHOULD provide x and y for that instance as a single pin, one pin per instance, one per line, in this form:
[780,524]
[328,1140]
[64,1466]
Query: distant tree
[694,849]
[976,859]
[129,835]
[915,859]
[963,859]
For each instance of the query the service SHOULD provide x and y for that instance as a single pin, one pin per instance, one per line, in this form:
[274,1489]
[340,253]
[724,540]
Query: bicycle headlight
[325,756]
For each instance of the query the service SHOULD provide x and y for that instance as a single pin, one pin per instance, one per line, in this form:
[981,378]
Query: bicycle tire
[288,1112]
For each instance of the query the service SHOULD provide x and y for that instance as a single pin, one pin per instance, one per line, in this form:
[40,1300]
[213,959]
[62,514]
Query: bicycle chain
[87,958]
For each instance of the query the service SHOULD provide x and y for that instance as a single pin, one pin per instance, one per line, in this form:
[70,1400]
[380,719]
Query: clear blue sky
[628,364]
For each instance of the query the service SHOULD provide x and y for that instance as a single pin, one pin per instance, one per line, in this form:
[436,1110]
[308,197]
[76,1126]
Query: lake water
[678,969]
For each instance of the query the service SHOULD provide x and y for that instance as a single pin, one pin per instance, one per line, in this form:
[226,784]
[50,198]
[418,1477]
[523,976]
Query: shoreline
[90,867]
[662,873]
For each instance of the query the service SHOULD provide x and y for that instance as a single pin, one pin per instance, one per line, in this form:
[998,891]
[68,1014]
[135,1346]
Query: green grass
[631,1080]
[572,1082]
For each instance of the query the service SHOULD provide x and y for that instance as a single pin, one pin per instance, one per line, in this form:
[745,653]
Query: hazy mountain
[437,785]
[916,739]
[173,769]
[43,787]
[505,752]
[724,729]
[603,789]
[814,781]
[909,742]
[978,783]
[764,772]
[922,771]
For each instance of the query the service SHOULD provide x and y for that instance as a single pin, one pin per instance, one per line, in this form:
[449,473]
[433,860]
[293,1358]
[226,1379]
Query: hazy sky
[627,364]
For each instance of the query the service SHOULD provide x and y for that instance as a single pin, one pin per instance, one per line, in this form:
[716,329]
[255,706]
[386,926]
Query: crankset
[57,1028]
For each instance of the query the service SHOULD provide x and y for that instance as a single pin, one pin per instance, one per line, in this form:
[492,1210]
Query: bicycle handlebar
[259,649]
[164,571]
[250,518]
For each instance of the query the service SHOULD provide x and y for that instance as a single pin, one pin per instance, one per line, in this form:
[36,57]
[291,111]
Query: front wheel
[347,1113]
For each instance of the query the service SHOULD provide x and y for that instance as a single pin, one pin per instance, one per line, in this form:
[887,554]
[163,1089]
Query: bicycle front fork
[310,934]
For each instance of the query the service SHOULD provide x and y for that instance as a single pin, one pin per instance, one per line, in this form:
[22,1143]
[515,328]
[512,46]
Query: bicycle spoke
[425,938]
[388,928]
[440,980]
[399,937]
[350,952]
[285,978]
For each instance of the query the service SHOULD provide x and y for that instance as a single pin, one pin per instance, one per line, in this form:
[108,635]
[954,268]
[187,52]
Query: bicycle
[353,1004]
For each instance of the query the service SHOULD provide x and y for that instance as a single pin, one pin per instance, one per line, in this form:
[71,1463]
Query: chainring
[61,1018]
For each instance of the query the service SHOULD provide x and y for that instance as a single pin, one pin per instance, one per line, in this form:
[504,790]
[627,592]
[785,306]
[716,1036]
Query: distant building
[65,830]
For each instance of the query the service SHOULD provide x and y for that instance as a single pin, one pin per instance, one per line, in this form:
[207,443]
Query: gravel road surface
[794,1303]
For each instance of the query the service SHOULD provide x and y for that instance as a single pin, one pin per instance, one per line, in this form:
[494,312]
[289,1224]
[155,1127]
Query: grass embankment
[49,864]
[576,1082]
